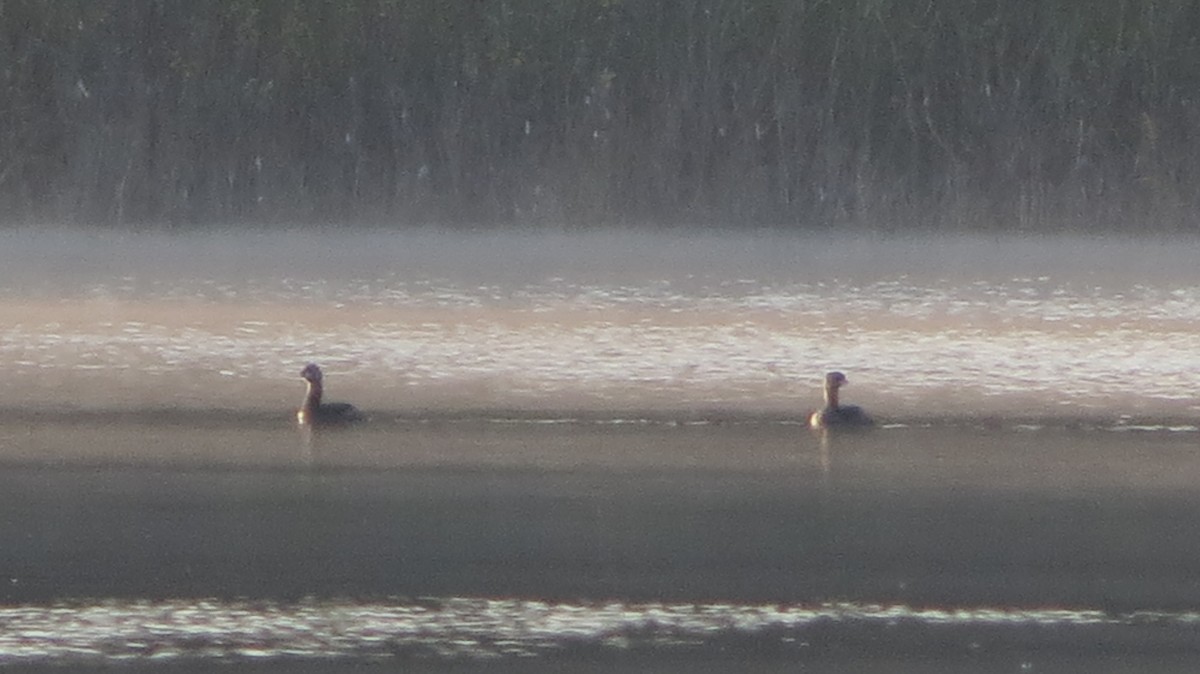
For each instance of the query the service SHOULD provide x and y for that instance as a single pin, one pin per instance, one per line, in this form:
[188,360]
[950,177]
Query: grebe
[834,415]
[316,413]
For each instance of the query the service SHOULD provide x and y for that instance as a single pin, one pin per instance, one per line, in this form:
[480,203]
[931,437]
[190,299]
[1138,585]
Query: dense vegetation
[1007,114]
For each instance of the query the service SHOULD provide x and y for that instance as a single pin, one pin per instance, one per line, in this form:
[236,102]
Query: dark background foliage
[1006,115]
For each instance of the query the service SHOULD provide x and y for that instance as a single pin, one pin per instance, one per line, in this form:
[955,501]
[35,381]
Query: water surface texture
[613,321]
[588,452]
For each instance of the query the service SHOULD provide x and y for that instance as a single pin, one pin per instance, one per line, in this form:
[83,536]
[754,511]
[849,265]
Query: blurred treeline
[1023,115]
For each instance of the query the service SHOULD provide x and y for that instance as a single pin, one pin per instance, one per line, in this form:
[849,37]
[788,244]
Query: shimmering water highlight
[1055,328]
[486,629]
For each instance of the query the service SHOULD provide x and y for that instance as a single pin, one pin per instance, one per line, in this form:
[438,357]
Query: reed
[883,115]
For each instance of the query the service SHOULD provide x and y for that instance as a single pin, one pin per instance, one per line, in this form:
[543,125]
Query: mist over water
[608,323]
[588,448]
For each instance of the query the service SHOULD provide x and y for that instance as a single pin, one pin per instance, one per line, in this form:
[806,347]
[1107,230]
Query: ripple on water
[116,631]
[1023,344]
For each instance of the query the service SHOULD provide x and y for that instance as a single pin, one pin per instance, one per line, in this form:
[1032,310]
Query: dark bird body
[834,414]
[316,413]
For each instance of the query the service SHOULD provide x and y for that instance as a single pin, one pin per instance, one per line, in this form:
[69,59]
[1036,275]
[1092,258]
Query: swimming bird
[833,415]
[316,413]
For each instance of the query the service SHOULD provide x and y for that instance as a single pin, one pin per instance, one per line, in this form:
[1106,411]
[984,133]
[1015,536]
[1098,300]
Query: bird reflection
[823,460]
[306,444]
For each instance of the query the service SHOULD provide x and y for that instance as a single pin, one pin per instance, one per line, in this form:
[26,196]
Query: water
[588,452]
[616,322]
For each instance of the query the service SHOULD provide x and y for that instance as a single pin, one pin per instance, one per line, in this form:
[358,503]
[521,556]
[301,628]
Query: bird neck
[831,396]
[312,400]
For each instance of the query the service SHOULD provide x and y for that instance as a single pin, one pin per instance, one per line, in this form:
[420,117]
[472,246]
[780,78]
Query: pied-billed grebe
[316,413]
[834,415]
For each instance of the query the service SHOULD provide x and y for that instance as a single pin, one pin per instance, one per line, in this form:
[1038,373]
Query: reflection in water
[824,460]
[307,452]
[720,539]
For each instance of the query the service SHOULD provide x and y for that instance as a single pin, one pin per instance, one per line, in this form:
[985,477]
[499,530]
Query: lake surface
[588,452]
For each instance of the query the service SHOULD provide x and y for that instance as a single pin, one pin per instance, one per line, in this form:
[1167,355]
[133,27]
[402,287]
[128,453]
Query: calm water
[588,452]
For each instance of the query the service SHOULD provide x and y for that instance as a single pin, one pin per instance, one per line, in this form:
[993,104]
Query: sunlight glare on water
[615,321]
[479,629]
